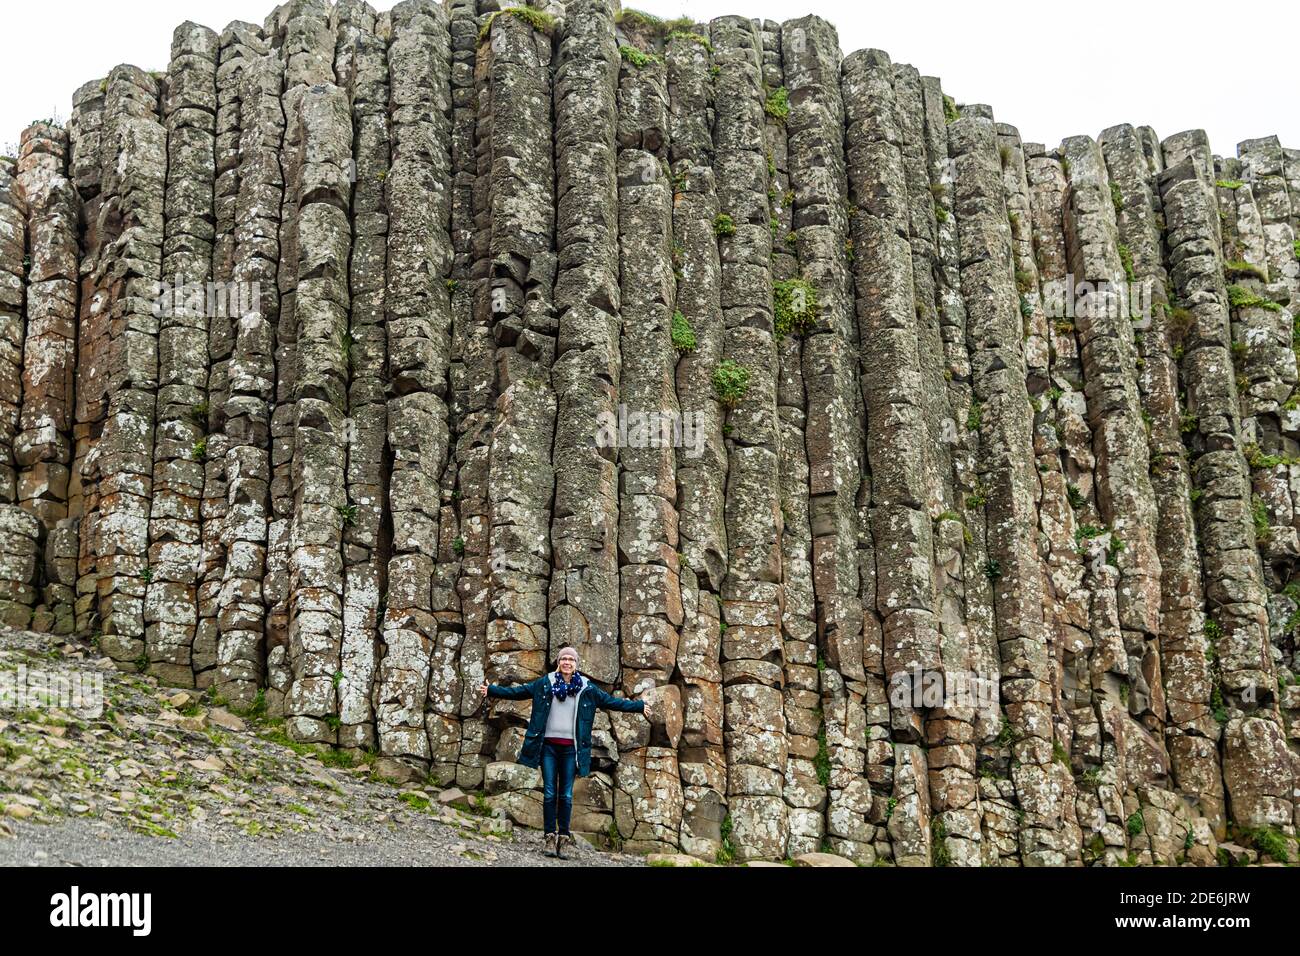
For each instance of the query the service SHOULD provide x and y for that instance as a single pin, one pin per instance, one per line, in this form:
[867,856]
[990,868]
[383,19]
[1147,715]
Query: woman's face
[567,666]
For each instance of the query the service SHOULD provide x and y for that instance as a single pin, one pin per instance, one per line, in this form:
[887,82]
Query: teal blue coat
[589,698]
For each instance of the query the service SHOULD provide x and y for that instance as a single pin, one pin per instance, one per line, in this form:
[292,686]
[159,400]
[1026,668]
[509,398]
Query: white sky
[1040,66]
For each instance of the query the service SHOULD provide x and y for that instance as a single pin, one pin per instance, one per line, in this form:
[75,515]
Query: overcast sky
[1042,66]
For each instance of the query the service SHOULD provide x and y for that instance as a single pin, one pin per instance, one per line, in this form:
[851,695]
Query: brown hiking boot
[559,845]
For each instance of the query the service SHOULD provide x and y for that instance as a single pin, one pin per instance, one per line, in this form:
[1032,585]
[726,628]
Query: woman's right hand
[484,689]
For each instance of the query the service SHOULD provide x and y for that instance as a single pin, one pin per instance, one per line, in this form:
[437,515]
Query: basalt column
[46,354]
[701,464]
[960,437]
[13,267]
[86,135]
[175,528]
[951,729]
[794,138]
[361,65]
[816,302]
[1188,728]
[456,725]
[302,42]
[240,45]
[1120,550]
[648,798]
[752,651]
[516,166]
[245,385]
[583,600]
[1257,767]
[896,438]
[1080,593]
[324,352]
[1007,473]
[418,310]
[127,274]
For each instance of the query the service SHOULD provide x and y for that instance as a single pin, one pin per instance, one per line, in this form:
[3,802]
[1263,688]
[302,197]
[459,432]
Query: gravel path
[415,842]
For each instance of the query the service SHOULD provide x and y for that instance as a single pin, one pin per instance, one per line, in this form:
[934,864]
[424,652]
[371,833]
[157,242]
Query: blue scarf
[561,690]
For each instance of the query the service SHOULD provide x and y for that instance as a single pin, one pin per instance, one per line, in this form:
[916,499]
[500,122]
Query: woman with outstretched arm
[559,735]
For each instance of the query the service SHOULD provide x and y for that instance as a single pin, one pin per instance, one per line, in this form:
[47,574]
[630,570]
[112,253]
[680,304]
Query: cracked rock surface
[939,491]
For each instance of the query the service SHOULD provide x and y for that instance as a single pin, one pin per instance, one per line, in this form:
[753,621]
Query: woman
[559,735]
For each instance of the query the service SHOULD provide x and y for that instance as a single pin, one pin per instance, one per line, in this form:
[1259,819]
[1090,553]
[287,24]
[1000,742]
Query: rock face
[939,491]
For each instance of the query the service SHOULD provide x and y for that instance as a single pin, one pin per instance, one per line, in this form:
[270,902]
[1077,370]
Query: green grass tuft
[683,335]
[730,383]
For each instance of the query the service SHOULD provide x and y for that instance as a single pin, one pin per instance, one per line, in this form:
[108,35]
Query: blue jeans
[559,767]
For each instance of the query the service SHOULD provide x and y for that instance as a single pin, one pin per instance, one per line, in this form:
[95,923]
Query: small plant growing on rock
[1116,198]
[690,37]
[727,851]
[939,855]
[1059,754]
[950,111]
[992,569]
[822,762]
[794,303]
[1126,259]
[537,19]
[683,335]
[1229,183]
[1242,298]
[1075,496]
[1259,517]
[1134,823]
[1007,733]
[730,383]
[1218,707]
[458,546]
[631,15]
[200,450]
[777,104]
[1240,269]
[638,58]
[348,514]
[723,225]
[1270,841]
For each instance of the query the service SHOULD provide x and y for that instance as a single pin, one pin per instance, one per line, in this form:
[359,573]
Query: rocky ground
[167,777]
